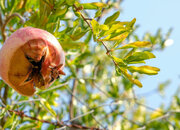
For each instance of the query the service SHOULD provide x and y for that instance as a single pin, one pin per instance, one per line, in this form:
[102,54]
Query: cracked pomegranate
[31,58]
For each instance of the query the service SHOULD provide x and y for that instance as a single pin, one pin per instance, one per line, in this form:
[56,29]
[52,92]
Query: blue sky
[151,15]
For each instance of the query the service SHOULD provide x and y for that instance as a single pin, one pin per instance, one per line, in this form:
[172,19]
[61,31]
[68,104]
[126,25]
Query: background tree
[105,60]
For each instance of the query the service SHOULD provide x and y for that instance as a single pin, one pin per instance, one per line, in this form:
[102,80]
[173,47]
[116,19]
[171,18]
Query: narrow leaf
[3,112]
[119,61]
[61,11]
[9,121]
[99,4]
[136,45]
[47,106]
[112,18]
[70,2]
[127,75]
[95,28]
[140,56]
[98,13]
[149,70]
[27,126]
[114,37]
[131,24]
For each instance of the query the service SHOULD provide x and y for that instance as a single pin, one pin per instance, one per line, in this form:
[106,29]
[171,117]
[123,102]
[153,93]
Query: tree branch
[7,20]
[102,11]
[71,104]
[61,124]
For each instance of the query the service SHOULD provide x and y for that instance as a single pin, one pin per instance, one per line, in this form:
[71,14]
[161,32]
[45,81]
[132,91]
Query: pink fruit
[31,58]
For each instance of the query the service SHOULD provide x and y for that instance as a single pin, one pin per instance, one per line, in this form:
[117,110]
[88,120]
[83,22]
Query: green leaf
[93,5]
[9,121]
[98,13]
[88,6]
[47,106]
[27,126]
[162,86]
[69,44]
[78,33]
[119,61]
[15,123]
[131,24]
[88,38]
[2,5]
[79,58]
[140,56]
[149,70]
[136,45]
[61,11]
[112,18]
[118,71]
[70,2]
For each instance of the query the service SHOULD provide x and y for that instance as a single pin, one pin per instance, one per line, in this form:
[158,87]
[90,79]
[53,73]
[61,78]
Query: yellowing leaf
[104,27]
[136,44]
[149,70]
[138,83]
[114,28]
[95,28]
[120,37]
[156,114]
[127,75]
[99,4]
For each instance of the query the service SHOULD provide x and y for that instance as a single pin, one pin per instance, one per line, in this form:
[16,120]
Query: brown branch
[61,124]
[69,90]
[7,20]
[85,19]
[4,101]
[102,11]
[1,20]
[71,104]
[24,4]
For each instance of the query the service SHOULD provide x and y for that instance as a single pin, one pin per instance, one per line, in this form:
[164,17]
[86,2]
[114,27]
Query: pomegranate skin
[30,58]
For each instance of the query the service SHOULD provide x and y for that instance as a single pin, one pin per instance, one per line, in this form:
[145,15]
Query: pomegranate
[30,58]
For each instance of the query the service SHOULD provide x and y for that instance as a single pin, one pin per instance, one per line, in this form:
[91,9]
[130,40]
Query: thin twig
[102,11]
[85,19]
[26,101]
[69,90]
[71,104]
[81,116]
[52,88]
[7,20]
[1,20]
[61,124]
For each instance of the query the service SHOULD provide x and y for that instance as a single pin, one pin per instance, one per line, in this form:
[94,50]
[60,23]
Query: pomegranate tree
[31,58]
